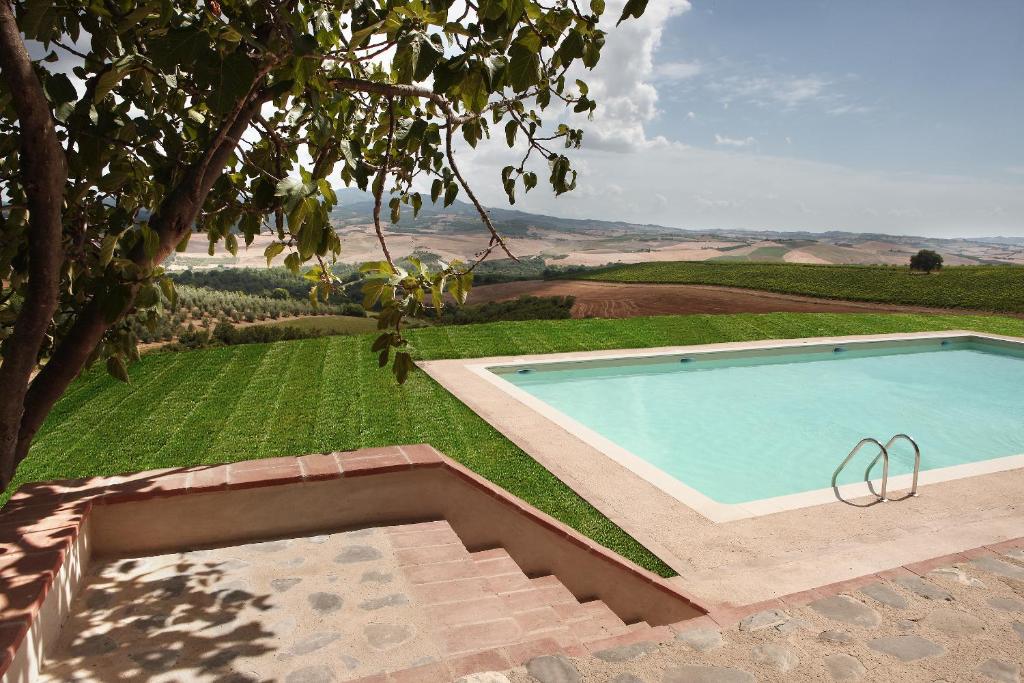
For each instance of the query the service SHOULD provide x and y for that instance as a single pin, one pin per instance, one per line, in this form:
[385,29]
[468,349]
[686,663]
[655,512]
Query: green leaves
[117,369]
[451,191]
[523,68]
[633,8]
[161,78]
[272,250]
[511,128]
[415,57]
[233,78]
[59,89]
[179,46]
[563,178]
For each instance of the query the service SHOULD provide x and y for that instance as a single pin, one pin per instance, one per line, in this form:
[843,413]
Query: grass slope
[986,288]
[326,394]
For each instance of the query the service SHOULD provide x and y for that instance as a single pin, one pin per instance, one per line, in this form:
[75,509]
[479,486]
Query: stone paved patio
[963,622]
[299,610]
[317,609]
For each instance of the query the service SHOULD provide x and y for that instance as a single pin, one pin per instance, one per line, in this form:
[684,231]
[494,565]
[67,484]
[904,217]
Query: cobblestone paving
[303,610]
[957,623]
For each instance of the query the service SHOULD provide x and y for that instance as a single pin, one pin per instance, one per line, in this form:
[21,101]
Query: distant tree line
[226,334]
[273,283]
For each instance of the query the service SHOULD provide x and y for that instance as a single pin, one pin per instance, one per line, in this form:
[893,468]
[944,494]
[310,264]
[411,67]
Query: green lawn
[986,288]
[315,395]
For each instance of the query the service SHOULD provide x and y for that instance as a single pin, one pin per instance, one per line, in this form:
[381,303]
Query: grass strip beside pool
[326,394]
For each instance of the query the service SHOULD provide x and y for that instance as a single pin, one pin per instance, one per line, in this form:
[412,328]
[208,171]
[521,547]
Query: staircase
[486,608]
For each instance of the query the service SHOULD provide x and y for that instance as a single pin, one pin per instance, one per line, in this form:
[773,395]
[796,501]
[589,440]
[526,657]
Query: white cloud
[690,115]
[622,81]
[734,142]
[676,71]
[788,92]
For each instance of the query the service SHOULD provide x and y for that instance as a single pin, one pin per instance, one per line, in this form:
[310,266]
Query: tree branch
[172,220]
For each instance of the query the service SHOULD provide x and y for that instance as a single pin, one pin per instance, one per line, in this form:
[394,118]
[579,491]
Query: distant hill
[455,232]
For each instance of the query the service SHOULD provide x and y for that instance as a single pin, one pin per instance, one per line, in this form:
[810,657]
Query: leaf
[150,241]
[474,91]
[529,180]
[178,46]
[59,89]
[450,192]
[523,68]
[107,81]
[511,128]
[117,369]
[571,47]
[231,242]
[272,250]
[403,366]
[633,8]
[107,249]
[358,37]
[293,191]
[435,189]
[147,296]
[170,293]
[183,244]
[231,82]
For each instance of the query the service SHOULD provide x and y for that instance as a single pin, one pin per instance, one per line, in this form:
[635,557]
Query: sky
[893,117]
[896,117]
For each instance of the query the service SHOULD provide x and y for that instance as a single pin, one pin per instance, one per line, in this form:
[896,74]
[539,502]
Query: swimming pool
[742,426]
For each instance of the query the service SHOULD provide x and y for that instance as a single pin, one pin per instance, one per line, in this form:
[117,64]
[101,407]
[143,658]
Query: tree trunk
[172,221]
[44,175]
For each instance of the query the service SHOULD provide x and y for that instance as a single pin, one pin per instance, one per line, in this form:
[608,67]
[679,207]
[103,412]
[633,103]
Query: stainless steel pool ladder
[884,454]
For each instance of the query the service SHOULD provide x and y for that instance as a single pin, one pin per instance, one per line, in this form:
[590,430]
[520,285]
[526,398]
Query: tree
[926,261]
[227,118]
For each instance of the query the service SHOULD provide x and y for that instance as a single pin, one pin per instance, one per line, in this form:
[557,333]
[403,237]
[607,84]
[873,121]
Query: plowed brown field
[620,300]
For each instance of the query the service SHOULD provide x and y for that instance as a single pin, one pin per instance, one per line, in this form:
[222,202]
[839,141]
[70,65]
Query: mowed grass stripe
[294,413]
[92,414]
[163,409]
[128,425]
[203,415]
[332,396]
[240,435]
[82,391]
[340,397]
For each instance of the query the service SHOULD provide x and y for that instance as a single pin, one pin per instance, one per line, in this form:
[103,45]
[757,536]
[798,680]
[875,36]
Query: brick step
[544,607]
[485,607]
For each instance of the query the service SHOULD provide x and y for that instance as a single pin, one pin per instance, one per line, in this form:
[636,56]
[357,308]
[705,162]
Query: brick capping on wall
[42,521]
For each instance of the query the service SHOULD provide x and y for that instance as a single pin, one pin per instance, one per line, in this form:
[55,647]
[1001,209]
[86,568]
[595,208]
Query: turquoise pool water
[744,427]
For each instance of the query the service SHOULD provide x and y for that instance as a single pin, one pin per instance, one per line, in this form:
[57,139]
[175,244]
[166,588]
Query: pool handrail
[917,458]
[885,463]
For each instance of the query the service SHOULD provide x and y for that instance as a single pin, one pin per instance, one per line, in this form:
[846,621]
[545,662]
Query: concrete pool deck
[762,557]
